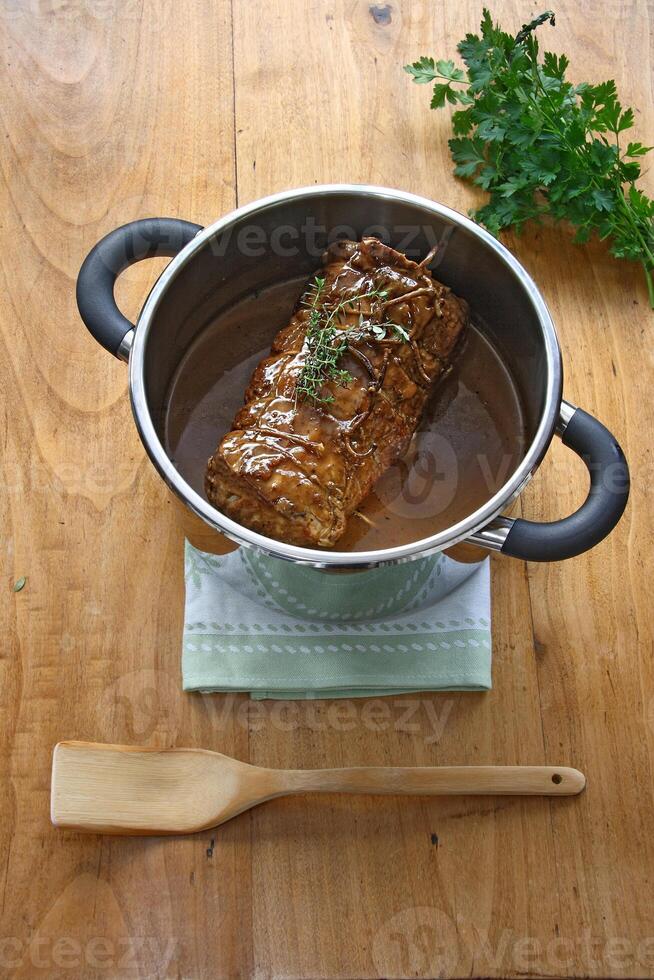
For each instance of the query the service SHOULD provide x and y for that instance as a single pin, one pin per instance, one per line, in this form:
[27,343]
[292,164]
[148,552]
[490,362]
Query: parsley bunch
[541,145]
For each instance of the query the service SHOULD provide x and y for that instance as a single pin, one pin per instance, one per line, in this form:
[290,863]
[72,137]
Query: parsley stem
[650,284]
[647,261]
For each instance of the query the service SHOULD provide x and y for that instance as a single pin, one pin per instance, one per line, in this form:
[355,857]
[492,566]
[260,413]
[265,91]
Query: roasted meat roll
[339,398]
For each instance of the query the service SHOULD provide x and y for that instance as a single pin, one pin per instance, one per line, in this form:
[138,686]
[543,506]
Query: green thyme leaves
[328,339]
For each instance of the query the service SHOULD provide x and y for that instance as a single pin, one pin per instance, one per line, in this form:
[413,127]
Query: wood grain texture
[135,789]
[112,111]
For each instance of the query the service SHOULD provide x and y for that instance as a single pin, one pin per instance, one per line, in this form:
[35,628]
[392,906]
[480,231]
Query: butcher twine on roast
[300,459]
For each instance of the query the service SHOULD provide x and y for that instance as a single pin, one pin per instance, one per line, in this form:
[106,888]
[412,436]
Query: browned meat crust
[294,469]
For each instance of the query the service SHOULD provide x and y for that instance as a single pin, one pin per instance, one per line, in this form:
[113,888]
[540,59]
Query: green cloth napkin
[280,630]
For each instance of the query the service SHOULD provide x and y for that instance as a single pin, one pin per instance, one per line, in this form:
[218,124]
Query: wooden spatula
[121,789]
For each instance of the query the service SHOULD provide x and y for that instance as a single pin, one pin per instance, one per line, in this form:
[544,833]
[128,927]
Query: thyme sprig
[326,341]
[380,331]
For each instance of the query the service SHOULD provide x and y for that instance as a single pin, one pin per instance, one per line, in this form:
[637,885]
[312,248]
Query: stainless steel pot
[281,237]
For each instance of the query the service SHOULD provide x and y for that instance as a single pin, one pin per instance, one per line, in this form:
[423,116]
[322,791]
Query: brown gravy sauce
[470,439]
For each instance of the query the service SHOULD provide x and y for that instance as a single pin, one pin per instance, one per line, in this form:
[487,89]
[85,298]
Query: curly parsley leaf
[541,145]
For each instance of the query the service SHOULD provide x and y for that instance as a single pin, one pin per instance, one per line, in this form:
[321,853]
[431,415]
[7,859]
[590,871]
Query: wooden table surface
[119,109]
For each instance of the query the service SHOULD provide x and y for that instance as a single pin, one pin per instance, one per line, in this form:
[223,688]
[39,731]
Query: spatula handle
[439,781]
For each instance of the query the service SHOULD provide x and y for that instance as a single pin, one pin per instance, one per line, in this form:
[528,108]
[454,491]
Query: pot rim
[344,559]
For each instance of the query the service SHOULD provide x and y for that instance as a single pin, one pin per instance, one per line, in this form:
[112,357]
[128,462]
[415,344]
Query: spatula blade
[116,789]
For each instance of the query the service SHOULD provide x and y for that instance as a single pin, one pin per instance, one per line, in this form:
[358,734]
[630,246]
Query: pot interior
[219,314]
[471,437]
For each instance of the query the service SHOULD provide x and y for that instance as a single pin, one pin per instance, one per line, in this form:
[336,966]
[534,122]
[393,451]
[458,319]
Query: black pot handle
[106,260]
[597,516]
